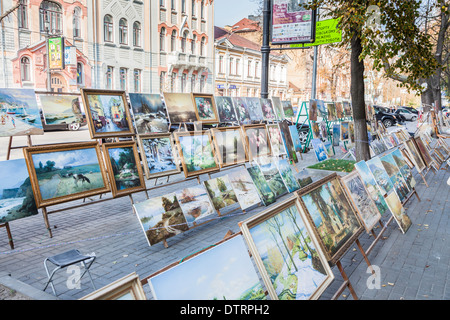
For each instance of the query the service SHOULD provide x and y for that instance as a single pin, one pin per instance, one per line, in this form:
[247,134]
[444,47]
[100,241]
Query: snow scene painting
[159,156]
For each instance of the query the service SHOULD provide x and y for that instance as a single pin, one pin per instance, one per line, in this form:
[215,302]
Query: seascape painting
[225,109]
[254,108]
[242,112]
[158,155]
[274,179]
[245,190]
[60,109]
[267,109]
[222,193]
[230,146]
[287,175]
[265,192]
[196,205]
[180,107]
[150,114]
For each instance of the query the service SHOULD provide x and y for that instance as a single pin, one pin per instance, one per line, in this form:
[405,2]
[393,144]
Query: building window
[256,69]
[136,34]
[183,41]
[173,39]
[183,82]
[202,83]
[161,3]
[80,73]
[230,69]
[23,15]
[109,77]
[172,82]
[25,69]
[183,6]
[173,5]
[77,22]
[50,17]
[249,69]
[137,80]
[194,44]
[162,81]
[123,31]
[162,40]
[108,28]
[202,9]
[238,67]
[193,8]
[193,83]
[123,73]
[202,46]
[220,64]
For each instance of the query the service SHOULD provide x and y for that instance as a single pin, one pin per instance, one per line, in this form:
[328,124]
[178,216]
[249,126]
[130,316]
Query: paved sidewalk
[412,265]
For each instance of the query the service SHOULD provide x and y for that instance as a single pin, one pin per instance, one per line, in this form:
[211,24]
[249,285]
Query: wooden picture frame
[143,149]
[180,107]
[210,97]
[126,288]
[213,157]
[426,156]
[102,121]
[118,192]
[333,254]
[220,148]
[66,172]
[277,213]
[415,156]
[250,143]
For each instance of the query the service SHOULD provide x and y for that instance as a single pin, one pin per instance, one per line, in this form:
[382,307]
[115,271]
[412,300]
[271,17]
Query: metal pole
[314,75]
[265,49]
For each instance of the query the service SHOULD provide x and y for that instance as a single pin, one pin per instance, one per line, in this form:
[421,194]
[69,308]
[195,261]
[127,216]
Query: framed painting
[205,107]
[345,133]
[16,194]
[399,183]
[196,205]
[242,112]
[66,172]
[126,288]
[124,168]
[225,109]
[149,112]
[287,175]
[287,253]
[266,194]
[331,110]
[331,214]
[221,193]
[278,108]
[365,207]
[211,271]
[276,141]
[244,188]
[287,109]
[107,113]
[404,168]
[60,109]
[254,108]
[158,155]
[19,113]
[230,146]
[273,178]
[295,136]
[406,156]
[398,211]
[426,156]
[319,149]
[312,112]
[180,107]
[347,108]
[196,152]
[161,218]
[287,140]
[257,141]
[267,109]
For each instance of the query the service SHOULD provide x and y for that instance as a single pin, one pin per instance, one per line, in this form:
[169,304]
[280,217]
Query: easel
[306,114]
[8,231]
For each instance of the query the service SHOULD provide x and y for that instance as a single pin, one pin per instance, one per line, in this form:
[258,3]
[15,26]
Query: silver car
[410,116]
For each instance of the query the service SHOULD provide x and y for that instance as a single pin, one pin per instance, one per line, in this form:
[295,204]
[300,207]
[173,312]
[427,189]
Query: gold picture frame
[249,142]
[210,97]
[219,147]
[126,288]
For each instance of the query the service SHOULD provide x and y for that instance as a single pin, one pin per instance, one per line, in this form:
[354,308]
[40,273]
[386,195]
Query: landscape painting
[242,112]
[287,175]
[295,138]
[278,108]
[287,141]
[274,179]
[230,146]
[267,109]
[381,177]
[161,218]
[205,108]
[404,168]
[225,109]
[331,110]
[107,113]
[315,130]
[16,193]
[66,172]
[287,254]
[319,150]
[322,108]
[19,113]
[180,107]
[245,190]
[150,114]
[265,192]
[303,178]
[60,109]
[257,139]
[345,134]
[287,108]
[312,113]
[158,155]
[196,205]
[276,140]
[254,108]
[339,110]
[395,175]
[332,215]
[221,193]
[222,272]
[336,134]
[398,211]
[423,151]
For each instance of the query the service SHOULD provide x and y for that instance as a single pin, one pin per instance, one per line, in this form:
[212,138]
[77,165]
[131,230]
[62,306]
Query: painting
[351,132]
[267,109]
[304,178]
[225,109]
[398,211]
[287,108]
[322,108]
[315,130]
[273,178]
[347,108]
[339,110]
[381,177]
[276,141]
[19,113]
[428,160]
[345,134]
[242,112]
[400,186]
[126,288]
[287,175]
[150,114]
[287,253]
[180,107]
[66,172]
[257,139]
[323,130]
[336,134]
[329,148]
[205,108]
[124,167]
[278,108]
[196,152]
[161,218]
[222,272]
[331,110]
[319,149]
[158,156]
[266,194]
[16,193]
[295,138]
[404,168]
[60,109]
[230,146]
[221,193]
[365,207]
[330,212]
[196,205]
[254,108]
[312,110]
[287,141]
[107,113]
[245,190]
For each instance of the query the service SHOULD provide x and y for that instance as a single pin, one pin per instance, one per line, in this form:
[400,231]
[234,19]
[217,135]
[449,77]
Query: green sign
[56,53]
[326,32]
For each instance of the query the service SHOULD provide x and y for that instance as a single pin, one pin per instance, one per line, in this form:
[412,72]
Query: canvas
[221,193]
[351,132]
[319,149]
[245,190]
[312,110]
[16,194]
[221,272]
[257,141]
[347,109]
[205,108]
[331,109]
[398,211]
[304,178]
[266,194]
[365,207]
[150,114]
[287,175]
[158,156]
[273,178]
[276,140]
[287,253]
[60,109]
[315,130]
[180,107]
[323,130]
[230,146]
[331,214]
[124,168]
[254,108]
[329,148]
[345,134]
[322,108]
[196,205]
[278,108]
[225,109]
[287,141]
[400,186]
[381,177]
[242,112]
[287,108]
[405,171]
[428,160]
[339,110]
[336,134]
[161,218]
[107,113]
[19,113]
[65,172]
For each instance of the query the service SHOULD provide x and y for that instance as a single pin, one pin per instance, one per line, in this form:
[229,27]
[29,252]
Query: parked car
[413,110]
[387,119]
[408,114]
[72,126]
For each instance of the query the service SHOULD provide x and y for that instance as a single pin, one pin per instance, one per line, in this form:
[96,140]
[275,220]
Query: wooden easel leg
[344,275]
[10,239]
[47,223]
[132,203]
[417,195]
[423,178]
[8,152]
[166,245]
[364,255]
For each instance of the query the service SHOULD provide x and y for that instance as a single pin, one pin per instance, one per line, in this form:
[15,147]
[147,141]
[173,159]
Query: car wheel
[74,126]
[414,118]
[387,123]
[303,136]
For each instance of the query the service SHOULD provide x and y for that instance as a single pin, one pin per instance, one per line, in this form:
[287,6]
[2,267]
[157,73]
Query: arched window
[162,40]
[77,22]
[184,41]
[25,69]
[194,44]
[108,28]
[50,17]
[136,34]
[123,31]
[173,41]
[202,47]
[80,73]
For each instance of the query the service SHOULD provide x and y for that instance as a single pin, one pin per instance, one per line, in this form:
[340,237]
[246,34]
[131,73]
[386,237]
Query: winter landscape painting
[150,114]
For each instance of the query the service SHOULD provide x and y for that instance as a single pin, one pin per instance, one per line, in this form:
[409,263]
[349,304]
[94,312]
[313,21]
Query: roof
[247,24]
[235,39]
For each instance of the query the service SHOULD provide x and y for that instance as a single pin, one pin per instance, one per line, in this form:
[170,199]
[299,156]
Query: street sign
[55,48]
[70,55]
[326,33]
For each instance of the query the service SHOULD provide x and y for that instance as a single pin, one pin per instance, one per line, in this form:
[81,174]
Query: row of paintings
[332,111]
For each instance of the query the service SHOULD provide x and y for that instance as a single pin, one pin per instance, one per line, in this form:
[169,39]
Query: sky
[228,12]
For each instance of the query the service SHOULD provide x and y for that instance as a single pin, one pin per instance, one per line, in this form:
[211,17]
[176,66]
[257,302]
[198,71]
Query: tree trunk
[358,103]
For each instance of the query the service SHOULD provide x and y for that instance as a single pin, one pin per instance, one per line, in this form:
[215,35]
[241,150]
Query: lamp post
[49,74]
[265,49]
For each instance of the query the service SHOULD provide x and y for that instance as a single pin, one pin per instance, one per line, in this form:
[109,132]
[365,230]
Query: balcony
[185,60]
